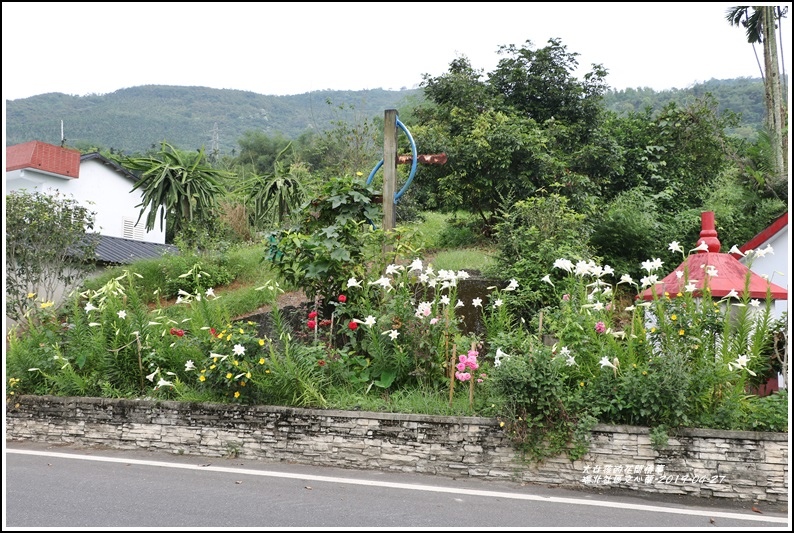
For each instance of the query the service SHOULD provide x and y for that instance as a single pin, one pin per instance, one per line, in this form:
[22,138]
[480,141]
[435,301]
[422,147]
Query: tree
[513,134]
[274,196]
[181,183]
[759,23]
[48,247]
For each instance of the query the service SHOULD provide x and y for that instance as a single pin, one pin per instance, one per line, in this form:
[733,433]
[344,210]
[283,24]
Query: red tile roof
[45,157]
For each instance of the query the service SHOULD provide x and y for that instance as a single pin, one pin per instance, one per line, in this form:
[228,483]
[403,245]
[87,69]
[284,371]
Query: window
[131,231]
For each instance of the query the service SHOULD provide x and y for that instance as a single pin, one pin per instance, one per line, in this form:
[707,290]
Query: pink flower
[461,366]
[600,327]
[342,298]
[566,297]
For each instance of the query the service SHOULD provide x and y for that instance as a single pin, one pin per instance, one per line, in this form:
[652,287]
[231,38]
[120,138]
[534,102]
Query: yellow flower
[229,337]
[251,323]
[634,365]
[267,371]
[653,330]
[45,305]
[241,330]
[673,317]
[248,375]
[359,173]
[219,335]
[581,383]
[31,295]
[261,342]
[242,383]
[644,373]
[235,363]
[212,367]
[679,295]
[501,424]
[236,394]
[681,332]
[261,360]
[202,378]
[229,375]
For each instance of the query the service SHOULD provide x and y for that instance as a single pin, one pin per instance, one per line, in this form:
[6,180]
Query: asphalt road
[72,487]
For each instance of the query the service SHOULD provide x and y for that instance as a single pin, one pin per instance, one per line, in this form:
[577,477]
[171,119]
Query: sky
[280,48]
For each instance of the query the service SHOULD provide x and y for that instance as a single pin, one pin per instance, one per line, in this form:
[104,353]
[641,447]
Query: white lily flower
[163,383]
[393,269]
[605,362]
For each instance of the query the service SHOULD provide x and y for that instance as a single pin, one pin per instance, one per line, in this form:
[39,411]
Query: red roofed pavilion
[731,275]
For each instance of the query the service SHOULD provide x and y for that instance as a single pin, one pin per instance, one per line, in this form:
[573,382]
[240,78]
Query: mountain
[135,119]
[139,118]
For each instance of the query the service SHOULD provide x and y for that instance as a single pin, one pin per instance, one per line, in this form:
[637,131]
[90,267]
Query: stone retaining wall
[738,465]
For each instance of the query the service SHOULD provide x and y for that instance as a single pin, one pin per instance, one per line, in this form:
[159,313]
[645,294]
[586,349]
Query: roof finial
[708,232]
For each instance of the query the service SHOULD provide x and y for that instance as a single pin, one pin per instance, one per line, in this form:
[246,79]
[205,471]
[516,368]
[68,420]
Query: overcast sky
[276,48]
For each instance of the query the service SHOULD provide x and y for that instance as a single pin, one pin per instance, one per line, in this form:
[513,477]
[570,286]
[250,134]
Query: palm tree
[759,23]
[181,183]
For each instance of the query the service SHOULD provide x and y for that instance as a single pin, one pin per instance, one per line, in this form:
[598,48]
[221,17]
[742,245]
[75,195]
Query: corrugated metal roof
[125,251]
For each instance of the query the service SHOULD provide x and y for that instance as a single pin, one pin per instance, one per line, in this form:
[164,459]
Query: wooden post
[389,168]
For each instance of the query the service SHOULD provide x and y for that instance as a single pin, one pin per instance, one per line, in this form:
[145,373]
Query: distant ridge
[137,119]
[133,119]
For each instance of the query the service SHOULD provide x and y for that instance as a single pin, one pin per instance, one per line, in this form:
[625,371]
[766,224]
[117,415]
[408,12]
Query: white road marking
[410,486]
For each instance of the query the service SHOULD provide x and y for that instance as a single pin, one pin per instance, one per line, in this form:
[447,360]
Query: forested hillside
[139,118]
[135,119]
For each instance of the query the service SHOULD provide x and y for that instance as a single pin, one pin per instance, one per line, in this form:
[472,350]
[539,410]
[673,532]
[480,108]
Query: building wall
[98,188]
[774,266]
[732,465]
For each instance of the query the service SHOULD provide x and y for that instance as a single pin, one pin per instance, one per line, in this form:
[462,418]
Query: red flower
[180,332]
[342,298]
[212,331]
[321,362]
[313,314]
[311,324]
[325,323]
[352,325]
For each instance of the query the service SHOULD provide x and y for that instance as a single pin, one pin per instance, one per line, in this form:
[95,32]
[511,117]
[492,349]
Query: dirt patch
[294,299]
